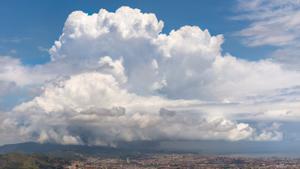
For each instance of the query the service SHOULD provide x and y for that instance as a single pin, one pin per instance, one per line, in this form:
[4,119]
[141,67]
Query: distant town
[54,156]
[187,161]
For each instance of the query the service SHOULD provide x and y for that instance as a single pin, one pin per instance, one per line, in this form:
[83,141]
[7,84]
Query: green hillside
[34,161]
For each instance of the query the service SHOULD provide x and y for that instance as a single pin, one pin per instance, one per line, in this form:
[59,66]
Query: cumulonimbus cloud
[114,76]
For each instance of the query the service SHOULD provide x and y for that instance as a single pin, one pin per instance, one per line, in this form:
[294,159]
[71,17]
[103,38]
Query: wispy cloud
[14,39]
[43,49]
[274,23]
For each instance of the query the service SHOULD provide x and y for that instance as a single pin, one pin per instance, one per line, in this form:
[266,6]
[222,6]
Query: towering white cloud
[186,63]
[114,76]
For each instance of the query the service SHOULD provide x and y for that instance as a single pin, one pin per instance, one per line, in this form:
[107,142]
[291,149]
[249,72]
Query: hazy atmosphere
[101,73]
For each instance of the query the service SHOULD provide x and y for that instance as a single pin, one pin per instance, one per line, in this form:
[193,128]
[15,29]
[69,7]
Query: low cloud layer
[114,76]
[91,108]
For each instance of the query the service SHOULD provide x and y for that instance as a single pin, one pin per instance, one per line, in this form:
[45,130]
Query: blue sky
[28,29]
